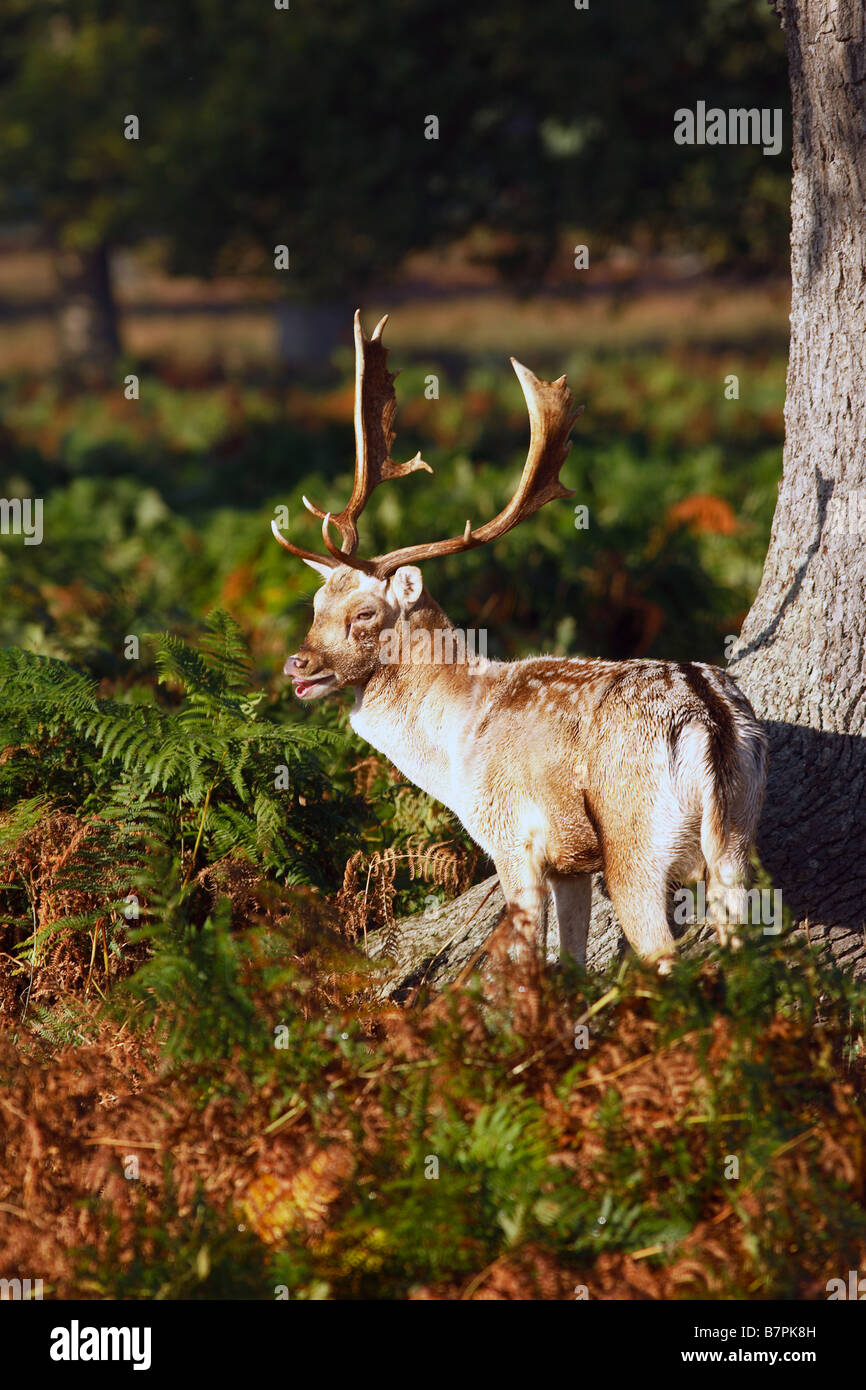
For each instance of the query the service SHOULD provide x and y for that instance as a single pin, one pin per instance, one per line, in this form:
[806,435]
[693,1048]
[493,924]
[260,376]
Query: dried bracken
[366,900]
[108,1152]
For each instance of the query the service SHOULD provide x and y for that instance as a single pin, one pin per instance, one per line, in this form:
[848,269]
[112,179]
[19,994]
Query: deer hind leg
[728,821]
[728,876]
[572,896]
[639,893]
[726,843]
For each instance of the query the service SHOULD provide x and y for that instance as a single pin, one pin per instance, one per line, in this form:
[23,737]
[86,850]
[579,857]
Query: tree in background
[309,127]
[69,74]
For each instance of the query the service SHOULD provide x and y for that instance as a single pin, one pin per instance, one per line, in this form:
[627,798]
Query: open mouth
[313,685]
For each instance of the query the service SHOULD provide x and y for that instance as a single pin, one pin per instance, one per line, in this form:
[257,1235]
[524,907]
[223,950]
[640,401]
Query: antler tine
[298,550]
[551,417]
[343,557]
[375,408]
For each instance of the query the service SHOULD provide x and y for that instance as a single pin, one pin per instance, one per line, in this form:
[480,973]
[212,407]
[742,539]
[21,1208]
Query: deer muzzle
[307,681]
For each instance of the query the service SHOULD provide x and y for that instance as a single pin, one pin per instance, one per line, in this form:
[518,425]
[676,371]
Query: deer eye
[364,615]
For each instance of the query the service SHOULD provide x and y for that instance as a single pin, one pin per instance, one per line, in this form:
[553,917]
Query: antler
[551,417]
[375,408]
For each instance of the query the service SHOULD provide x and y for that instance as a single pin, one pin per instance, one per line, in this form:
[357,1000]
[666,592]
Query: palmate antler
[551,417]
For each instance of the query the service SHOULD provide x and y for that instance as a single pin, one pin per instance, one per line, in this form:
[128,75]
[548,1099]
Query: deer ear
[405,586]
[324,570]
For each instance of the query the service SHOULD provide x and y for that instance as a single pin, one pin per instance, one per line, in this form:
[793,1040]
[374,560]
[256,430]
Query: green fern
[163,786]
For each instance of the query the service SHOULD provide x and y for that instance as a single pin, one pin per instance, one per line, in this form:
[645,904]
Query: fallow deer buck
[653,771]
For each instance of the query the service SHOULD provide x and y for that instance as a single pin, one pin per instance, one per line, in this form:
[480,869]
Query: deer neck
[417,709]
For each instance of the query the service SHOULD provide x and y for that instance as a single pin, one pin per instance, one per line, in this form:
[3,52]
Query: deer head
[362,597]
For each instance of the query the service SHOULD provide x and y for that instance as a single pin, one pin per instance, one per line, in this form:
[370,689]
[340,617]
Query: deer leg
[727,896]
[640,898]
[573,896]
[522,883]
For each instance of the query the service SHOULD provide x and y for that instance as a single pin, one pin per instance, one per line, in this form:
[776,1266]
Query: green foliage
[162,791]
[537,1159]
[148,524]
[259,126]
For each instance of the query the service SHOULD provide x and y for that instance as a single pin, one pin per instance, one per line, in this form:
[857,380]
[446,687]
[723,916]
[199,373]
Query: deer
[650,771]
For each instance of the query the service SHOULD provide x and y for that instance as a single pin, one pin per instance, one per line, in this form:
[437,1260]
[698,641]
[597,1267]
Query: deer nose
[295,664]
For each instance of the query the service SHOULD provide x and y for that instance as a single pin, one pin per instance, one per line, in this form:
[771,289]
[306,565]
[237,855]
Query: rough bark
[800,657]
[87,326]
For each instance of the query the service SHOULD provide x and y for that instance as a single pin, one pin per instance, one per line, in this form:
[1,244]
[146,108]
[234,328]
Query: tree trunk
[307,334]
[87,326]
[800,656]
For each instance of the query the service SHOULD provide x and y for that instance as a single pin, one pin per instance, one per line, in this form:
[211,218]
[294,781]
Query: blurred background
[169,375]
